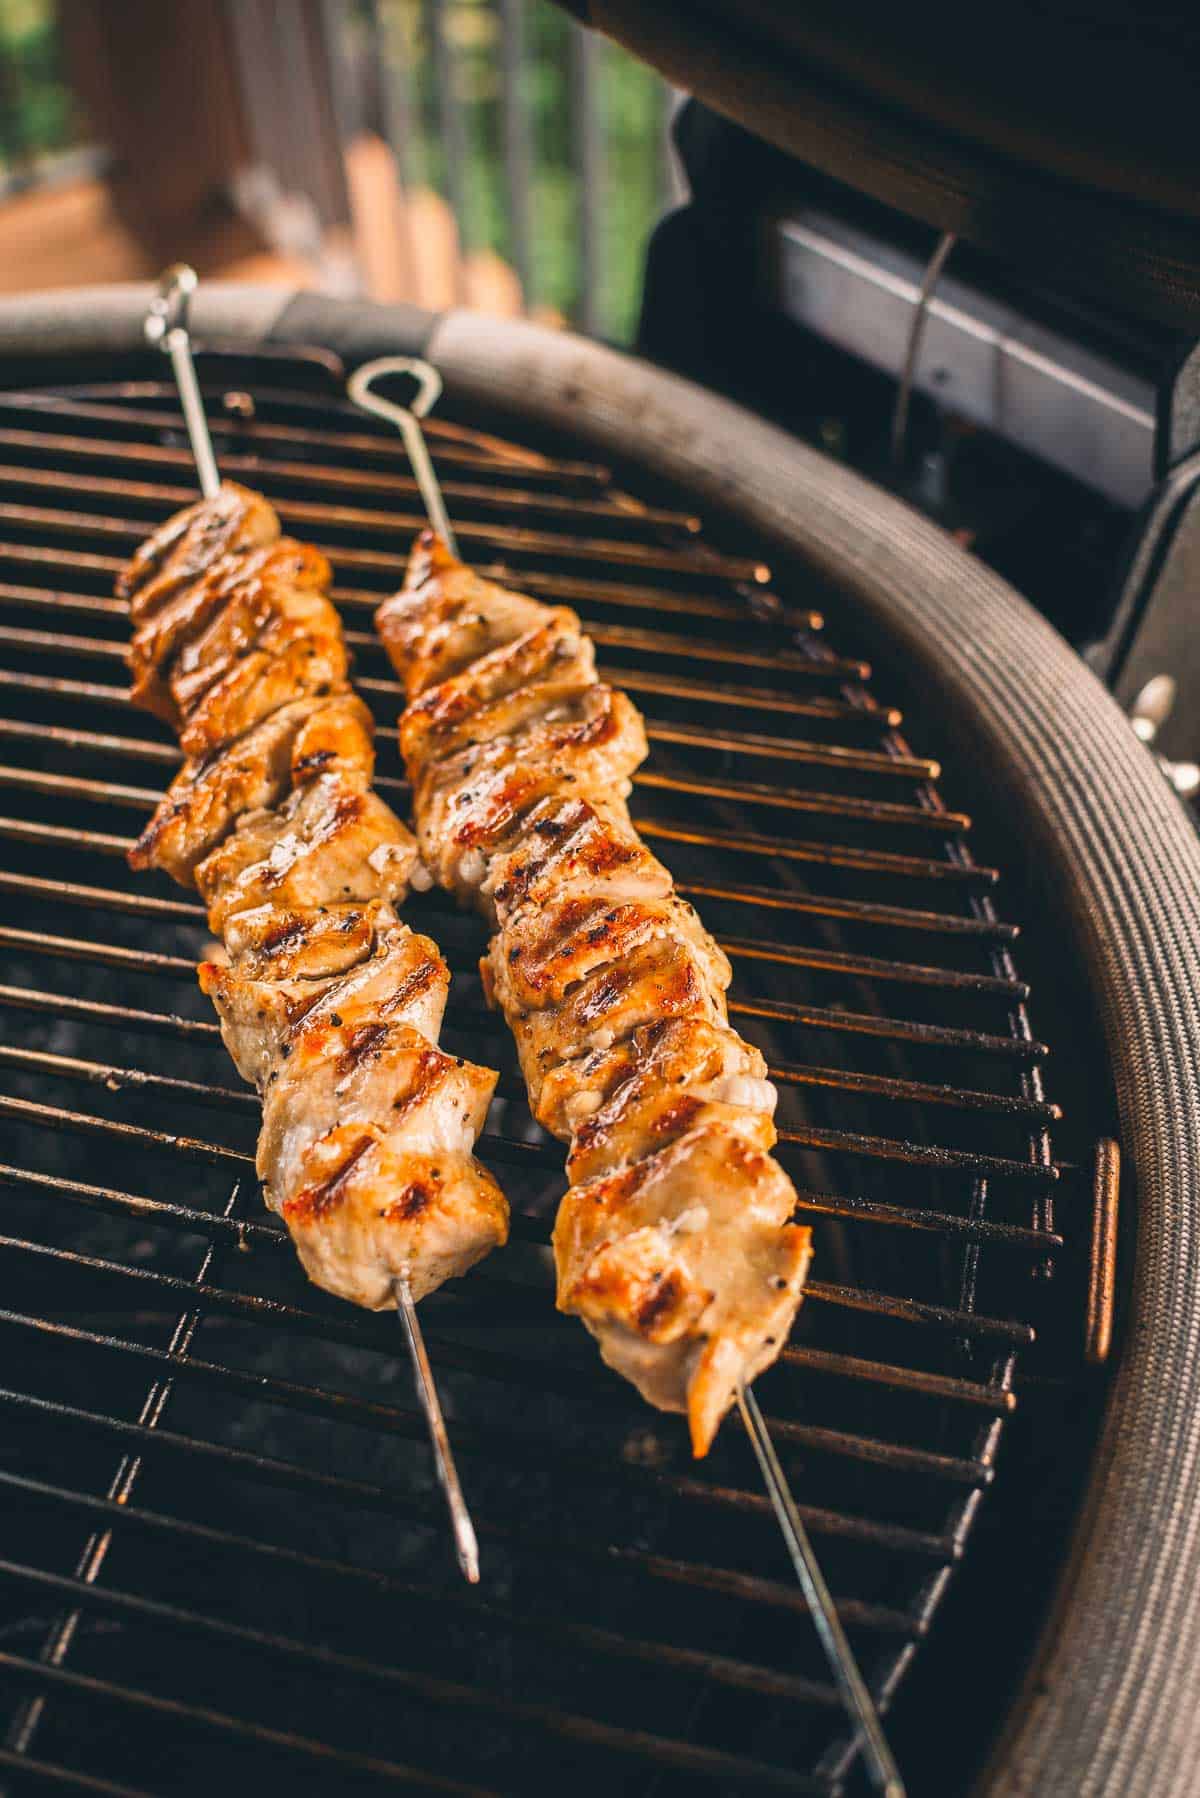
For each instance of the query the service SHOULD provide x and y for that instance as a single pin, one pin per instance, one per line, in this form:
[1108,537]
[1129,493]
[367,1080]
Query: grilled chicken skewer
[436,630]
[328,1003]
[674,1243]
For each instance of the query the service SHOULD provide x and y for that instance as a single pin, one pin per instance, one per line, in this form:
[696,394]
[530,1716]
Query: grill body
[227,1531]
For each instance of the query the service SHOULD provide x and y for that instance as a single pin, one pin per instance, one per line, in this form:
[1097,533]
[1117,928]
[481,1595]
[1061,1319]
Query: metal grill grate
[224,1553]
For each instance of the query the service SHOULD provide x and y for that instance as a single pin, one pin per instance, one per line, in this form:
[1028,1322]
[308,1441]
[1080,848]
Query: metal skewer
[167,328]
[853,1687]
[855,1694]
[464,1530]
[407,420]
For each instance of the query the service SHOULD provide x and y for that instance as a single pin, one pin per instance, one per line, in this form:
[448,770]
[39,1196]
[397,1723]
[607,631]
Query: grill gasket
[978,913]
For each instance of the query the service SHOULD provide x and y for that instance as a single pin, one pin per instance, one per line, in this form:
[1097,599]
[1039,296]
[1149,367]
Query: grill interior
[224,1553]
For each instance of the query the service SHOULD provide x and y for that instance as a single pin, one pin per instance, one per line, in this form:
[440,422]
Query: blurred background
[487,153]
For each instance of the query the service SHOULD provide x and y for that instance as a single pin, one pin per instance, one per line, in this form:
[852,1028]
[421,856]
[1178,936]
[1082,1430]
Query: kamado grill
[223,1557]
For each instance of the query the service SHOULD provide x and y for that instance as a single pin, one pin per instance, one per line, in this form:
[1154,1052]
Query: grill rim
[1123,861]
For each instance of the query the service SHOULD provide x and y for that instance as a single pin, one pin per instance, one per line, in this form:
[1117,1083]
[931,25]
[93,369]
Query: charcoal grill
[223,1557]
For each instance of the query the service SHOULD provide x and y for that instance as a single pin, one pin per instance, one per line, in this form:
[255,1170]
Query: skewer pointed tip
[468,1553]
[466,1544]
[884,1773]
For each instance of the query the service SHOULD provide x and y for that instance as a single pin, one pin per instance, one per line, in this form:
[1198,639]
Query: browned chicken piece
[257,685]
[334,1016]
[327,1001]
[492,698]
[206,798]
[328,842]
[606,1105]
[379,968]
[474,805]
[573,846]
[254,601]
[685,1267]
[665,978]
[674,1243]
[373,1210]
[446,617]
[192,543]
[550,949]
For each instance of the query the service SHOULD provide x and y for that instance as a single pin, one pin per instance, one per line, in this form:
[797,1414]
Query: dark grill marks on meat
[327,1002]
[674,1242]
[313,1202]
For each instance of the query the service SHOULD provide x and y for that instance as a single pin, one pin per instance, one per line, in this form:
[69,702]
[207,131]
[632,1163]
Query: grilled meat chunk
[373,1210]
[328,842]
[191,544]
[674,1243]
[207,798]
[327,1001]
[299,974]
[684,1266]
[258,601]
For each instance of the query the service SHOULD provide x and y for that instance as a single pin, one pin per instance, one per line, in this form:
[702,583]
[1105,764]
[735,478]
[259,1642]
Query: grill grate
[224,1544]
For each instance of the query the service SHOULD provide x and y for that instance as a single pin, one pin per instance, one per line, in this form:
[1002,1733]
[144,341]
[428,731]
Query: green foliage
[630,109]
[36,111]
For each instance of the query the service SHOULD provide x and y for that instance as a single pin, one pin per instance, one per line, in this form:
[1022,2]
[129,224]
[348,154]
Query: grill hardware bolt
[1149,712]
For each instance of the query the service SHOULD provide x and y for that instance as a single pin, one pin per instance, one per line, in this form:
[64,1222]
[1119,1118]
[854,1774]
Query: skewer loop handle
[406,419]
[166,327]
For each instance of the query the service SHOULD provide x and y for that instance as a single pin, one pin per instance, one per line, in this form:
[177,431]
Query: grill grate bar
[832,855]
[920,1092]
[91,1562]
[826,1204]
[875,967]
[257,469]
[661,1750]
[678,686]
[34,1000]
[788,799]
[637,680]
[499,1446]
[58,601]
[19,1667]
[65,892]
[914,1217]
[98,434]
[315,520]
[776,748]
[118,1078]
[892,916]
[21,998]
[68,892]
[394,1502]
[265,1232]
[721,1669]
[523,1228]
[525,465]
[51,1773]
[792,1073]
[27,830]
[144,799]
